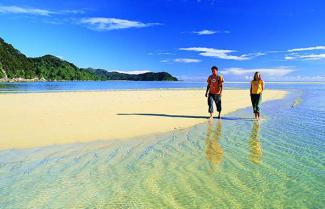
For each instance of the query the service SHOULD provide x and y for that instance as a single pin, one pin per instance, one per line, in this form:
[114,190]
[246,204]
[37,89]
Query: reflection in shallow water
[214,151]
[255,144]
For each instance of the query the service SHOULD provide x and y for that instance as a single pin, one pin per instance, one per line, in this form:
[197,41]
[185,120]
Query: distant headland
[16,67]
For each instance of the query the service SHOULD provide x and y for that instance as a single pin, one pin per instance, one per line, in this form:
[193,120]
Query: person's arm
[208,87]
[221,85]
[250,91]
[206,92]
[263,86]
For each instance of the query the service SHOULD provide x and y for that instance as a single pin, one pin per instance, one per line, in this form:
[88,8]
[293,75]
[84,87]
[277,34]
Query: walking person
[256,90]
[214,91]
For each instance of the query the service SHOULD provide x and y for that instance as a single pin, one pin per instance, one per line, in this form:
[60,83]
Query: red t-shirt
[215,83]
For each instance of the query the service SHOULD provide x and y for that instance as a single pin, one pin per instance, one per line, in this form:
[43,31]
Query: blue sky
[284,40]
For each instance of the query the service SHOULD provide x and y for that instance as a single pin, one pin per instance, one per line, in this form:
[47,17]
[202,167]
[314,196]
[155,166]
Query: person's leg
[218,104]
[253,100]
[210,103]
[258,101]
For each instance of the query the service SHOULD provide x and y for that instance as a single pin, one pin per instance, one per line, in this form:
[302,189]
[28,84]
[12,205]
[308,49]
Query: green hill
[54,68]
[105,75]
[14,64]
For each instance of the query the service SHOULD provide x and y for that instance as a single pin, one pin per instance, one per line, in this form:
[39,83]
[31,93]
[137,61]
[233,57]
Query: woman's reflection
[214,151]
[255,144]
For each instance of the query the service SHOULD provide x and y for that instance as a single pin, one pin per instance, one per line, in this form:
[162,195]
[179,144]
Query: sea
[235,162]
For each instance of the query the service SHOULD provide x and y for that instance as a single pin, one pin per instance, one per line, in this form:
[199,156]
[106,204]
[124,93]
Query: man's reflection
[255,144]
[214,151]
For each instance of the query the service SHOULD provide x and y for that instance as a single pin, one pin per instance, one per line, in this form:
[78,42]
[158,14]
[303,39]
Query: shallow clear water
[93,86]
[29,87]
[232,163]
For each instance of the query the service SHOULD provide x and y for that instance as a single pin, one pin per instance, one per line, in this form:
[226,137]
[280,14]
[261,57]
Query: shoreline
[37,80]
[42,119]
[43,80]
[111,90]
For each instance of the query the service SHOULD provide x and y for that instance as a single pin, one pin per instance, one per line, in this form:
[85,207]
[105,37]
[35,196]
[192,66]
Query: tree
[2,75]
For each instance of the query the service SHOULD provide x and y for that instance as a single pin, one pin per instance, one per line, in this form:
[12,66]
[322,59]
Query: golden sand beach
[40,119]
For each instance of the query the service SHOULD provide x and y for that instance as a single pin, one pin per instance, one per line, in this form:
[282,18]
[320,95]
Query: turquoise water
[232,163]
[93,86]
[29,87]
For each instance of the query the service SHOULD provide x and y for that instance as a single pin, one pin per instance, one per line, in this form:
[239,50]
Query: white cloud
[25,10]
[36,11]
[316,78]
[272,72]
[307,49]
[205,32]
[132,72]
[164,61]
[256,54]
[192,78]
[72,11]
[208,32]
[295,56]
[107,24]
[165,53]
[187,60]
[289,57]
[160,53]
[313,56]
[222,53]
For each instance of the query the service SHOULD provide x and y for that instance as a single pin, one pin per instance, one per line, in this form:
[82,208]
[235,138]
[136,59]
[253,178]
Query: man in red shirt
[214,91]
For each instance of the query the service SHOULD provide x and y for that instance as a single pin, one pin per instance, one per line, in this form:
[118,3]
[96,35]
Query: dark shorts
[214,98]
[256,100]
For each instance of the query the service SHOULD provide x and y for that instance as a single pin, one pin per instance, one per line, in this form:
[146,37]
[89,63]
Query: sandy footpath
[39,119]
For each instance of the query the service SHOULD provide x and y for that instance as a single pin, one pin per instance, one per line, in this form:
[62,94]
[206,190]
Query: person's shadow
[255,144]
[180,116]
[214,151]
